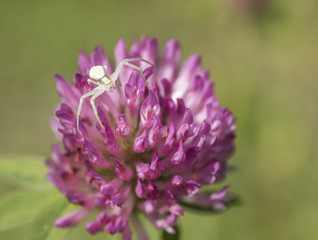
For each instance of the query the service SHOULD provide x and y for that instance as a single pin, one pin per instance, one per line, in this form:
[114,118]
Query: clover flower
[157,146]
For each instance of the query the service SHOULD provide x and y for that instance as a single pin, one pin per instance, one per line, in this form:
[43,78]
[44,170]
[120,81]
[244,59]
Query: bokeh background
[262,55]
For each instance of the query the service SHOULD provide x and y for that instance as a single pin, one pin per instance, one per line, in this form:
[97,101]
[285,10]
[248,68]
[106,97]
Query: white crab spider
[98,76]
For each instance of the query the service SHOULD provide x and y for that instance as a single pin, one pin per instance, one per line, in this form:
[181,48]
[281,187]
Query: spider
[98,76]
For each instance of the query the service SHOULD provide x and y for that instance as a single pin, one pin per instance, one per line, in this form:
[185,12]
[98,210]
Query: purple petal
[169,143]
[107,132]
[94,179]
[111,187]
[142,170]
[120,51]
[156,166]
[94,157]
[122,171]
[122,126]
[72,219]
[141,143]
[166,88]
[207,173]
[148,51]
[149,206]
[191,187]
[149,109]
[219,195]
[94,227]
[156,133]
[167,224]
[179,156]
[134,90]
[187,74]
[83,63]
[172,52]
[141,189]
[216,201]
[68,93]
[171,56]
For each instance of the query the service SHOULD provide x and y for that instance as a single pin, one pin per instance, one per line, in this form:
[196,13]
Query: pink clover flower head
[159,142]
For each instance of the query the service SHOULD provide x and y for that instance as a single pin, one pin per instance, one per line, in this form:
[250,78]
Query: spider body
[98,76]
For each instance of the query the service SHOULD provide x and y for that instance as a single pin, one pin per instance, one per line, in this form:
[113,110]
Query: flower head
[156,145]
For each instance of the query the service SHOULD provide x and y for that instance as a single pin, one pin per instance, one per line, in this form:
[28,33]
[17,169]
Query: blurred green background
[263,61]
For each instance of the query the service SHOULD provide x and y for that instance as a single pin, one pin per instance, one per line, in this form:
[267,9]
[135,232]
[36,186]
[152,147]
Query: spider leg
[138,69]
[81,103]
[90,81]
[115,74]
[137,59]
[92,101]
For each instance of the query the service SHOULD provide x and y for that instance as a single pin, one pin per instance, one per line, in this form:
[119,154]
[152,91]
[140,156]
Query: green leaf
[236,201]
[168,236]
[43,226]
[20,208]
[26,171]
